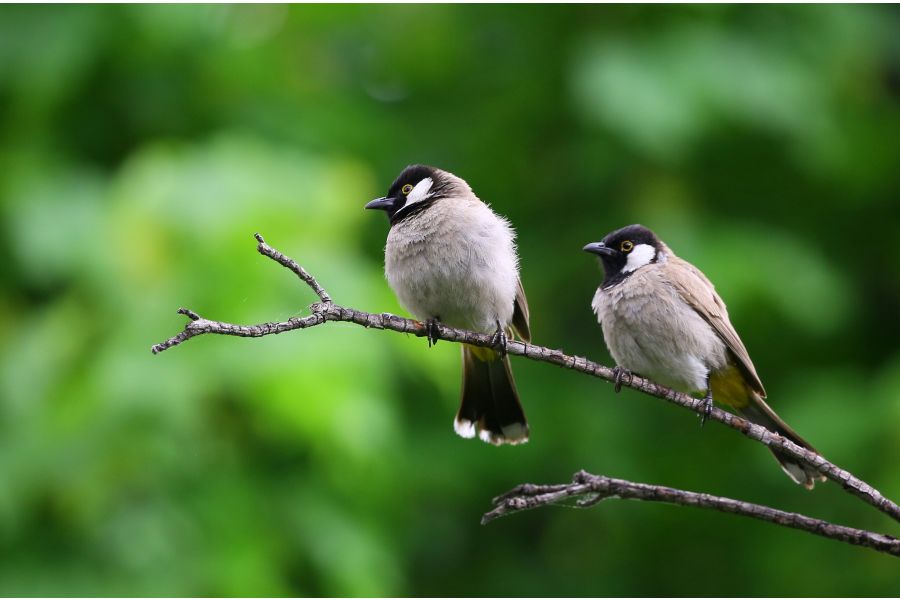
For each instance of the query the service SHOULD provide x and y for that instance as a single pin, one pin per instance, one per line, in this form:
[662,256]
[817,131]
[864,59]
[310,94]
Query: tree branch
[326,310]
[289,263]
[590,490]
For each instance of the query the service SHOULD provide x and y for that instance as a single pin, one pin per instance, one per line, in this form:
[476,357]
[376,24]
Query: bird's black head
[414,190]
[624,251]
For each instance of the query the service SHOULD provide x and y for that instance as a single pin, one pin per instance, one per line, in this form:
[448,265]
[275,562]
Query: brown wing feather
[520,320]
[701,295]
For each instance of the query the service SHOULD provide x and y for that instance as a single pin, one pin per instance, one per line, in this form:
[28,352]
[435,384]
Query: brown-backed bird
[662,318]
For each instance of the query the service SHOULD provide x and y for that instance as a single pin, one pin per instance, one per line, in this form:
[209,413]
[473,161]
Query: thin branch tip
[288,263]
[189,314]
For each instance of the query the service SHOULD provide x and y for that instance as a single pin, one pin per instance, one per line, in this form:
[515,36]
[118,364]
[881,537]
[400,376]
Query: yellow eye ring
[626,246]
[406,189]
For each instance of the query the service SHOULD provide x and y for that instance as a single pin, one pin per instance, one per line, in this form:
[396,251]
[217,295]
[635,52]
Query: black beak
[381,204]
[599,248]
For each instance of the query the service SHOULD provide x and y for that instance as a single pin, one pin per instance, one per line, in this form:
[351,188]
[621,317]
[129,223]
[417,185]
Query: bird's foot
[620,373]
[432,331]
[707,407]
[499,340]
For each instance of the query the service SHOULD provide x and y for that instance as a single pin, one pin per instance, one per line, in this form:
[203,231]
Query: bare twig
[326,310]
[592,489]
[289,263]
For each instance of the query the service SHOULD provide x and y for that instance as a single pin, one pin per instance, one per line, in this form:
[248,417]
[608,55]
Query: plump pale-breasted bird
[450,259]
[662,318]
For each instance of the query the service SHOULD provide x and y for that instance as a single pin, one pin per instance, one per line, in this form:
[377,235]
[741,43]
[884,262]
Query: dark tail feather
[490,404]
[760,413]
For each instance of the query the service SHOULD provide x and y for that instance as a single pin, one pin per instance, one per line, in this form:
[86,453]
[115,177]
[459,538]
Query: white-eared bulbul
[662,318]
[450,259]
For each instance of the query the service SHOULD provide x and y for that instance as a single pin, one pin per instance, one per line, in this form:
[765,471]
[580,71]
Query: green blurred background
[142,146]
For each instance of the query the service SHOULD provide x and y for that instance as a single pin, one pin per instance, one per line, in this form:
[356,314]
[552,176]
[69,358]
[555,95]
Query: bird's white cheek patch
[640,256]
[420,192]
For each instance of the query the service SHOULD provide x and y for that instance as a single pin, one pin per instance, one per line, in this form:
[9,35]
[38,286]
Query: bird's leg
[620,373]
[707,403]
[432,331]
[499,340]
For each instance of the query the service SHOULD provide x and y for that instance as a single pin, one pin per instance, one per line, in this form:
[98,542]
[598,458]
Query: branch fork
[589,489]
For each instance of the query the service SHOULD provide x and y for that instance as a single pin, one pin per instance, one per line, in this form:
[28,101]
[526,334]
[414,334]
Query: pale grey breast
[649,329]
[455,261]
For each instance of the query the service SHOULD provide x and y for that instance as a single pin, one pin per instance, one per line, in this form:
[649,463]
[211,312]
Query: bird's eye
[406,189]
[626,246]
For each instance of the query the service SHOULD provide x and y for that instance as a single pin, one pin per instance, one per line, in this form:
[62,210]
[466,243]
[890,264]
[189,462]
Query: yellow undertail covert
[729,387]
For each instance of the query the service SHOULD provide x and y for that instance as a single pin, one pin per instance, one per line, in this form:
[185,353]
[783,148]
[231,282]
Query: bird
[662,318]
[450,259]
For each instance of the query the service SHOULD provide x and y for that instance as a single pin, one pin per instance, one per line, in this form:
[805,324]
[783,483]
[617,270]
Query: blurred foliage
[142,146]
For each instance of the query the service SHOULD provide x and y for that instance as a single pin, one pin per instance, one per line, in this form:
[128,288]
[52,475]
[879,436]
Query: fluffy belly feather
[650,330]
[468,283]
